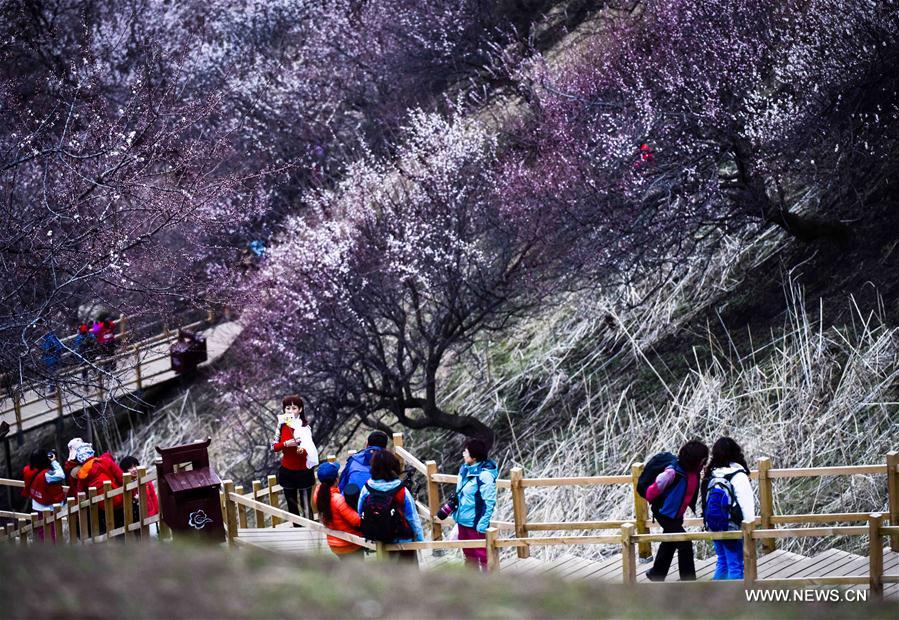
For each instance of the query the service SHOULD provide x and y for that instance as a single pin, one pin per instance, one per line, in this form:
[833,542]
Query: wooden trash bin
[189,498]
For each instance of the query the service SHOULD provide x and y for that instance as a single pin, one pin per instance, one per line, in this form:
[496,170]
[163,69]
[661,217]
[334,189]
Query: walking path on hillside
[137,367]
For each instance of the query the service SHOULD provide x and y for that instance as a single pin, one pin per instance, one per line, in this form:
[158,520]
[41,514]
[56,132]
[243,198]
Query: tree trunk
[809,228]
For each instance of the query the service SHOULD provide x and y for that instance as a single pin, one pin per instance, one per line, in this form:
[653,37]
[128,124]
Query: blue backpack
[721,507]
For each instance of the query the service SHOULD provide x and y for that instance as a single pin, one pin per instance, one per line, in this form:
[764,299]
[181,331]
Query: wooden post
[17,405]
[398,443]
[107,509]
[72,511]
[750,555]
[272,498]
[258,515]
[94,511]
[137,372]
[492,549]
[380,551]
[59,401]
[127,504]
[23,533]
[628,555]
[58,537]
[893,491]
[766,503]
[84,525]
[875,556]
[230,512]
[434,501]
[519,510]
[142,505]
[241,509]
[641,512]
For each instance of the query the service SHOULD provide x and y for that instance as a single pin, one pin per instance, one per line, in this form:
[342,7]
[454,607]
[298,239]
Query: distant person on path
[676,488]
[476,497]
[727,501]
[104,332]
[86,346]
[129,465]
[358,467]
[336,514]
[387,508]
[51,356]
[299,456]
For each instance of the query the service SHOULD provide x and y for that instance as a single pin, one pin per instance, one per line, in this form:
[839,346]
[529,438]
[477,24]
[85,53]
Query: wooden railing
[633,535]
[77,521]
[261,507]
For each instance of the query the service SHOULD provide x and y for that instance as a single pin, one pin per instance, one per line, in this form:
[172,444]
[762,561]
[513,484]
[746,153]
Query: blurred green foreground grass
[170,582]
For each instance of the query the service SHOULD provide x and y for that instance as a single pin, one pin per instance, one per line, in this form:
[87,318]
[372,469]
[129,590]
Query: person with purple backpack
[672,491]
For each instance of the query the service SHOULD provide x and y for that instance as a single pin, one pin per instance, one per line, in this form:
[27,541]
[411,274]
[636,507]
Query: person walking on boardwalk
[727,501]
[358,467]
[336,514]
[387,508]
[476,497]
[299,456]
[676,488]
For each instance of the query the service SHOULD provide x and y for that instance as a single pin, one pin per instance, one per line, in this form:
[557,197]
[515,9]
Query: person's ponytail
[323,501]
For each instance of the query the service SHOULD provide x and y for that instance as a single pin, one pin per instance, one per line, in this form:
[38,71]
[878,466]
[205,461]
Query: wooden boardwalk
[778,564]
[140,366]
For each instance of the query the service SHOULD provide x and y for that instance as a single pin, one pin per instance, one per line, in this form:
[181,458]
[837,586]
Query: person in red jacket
[299,456]
[43,477]
[336,514]
[94,471]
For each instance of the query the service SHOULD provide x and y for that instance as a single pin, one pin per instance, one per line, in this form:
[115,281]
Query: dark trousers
[298,499]
[685,565]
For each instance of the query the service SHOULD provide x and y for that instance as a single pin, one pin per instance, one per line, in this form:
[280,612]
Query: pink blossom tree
[410,260]
[709,116]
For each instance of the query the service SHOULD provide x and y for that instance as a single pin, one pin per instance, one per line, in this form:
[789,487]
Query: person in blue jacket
[476,494]
[385,477]
[357,470]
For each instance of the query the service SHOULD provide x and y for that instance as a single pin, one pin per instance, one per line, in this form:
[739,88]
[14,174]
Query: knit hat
[84,452]
[327,471]
[73,447]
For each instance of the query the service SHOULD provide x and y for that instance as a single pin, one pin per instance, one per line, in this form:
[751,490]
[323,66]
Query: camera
[449,506]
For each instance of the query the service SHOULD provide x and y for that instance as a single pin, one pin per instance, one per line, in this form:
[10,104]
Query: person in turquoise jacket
[476,494]
[385,477]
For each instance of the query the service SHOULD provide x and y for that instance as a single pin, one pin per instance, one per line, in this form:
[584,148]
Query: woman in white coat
[299,456]
[727,500]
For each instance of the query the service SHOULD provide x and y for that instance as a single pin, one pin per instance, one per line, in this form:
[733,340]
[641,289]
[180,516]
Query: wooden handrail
[811,472]
[292,518]
[410,459]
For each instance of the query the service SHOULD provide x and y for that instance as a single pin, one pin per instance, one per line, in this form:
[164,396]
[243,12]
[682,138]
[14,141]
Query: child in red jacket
[94,471]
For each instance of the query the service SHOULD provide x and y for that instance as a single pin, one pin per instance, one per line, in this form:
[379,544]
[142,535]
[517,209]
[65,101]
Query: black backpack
[382,515]
[656,465]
